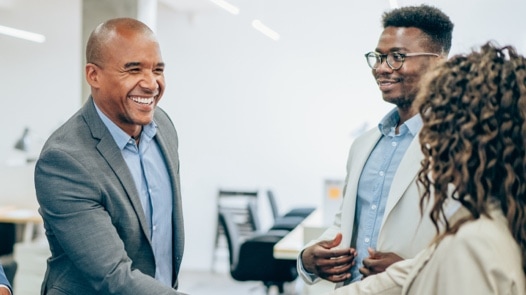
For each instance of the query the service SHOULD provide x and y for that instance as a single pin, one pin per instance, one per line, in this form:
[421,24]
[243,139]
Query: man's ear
[92,75]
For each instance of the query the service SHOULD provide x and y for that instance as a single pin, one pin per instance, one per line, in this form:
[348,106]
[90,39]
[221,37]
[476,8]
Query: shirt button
[373,207]
[381,173]
[394,143]
[367,240]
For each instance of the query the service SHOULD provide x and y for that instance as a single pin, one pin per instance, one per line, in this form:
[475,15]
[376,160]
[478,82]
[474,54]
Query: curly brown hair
[474,137]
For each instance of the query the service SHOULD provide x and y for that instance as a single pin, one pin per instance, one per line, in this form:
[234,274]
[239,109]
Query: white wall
[250,112]
[254,112]
[40,84]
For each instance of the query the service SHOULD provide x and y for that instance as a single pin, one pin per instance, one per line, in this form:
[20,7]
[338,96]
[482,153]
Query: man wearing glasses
[379,221]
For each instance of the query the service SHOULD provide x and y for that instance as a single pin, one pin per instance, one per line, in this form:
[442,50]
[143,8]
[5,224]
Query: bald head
[105,33]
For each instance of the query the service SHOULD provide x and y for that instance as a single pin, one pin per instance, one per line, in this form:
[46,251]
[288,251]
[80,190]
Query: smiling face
[401,86]
[128,81]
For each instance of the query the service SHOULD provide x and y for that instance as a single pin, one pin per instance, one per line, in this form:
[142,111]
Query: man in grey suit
[107,181]
[5,287]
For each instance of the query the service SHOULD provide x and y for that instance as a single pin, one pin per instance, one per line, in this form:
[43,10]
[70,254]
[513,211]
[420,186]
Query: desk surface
[13,214]
[290,246]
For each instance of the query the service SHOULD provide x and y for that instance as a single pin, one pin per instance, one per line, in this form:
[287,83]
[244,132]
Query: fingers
[377,262]
[329,244]
[328,262]
[364,271]
[339,277]
[337,270]
[372,253]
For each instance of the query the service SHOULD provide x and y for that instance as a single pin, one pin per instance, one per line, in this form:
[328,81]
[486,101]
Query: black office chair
[243,206]
[7,242]
[289,220]
[252,258]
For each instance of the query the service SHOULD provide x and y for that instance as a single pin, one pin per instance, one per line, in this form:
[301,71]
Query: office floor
[31,258]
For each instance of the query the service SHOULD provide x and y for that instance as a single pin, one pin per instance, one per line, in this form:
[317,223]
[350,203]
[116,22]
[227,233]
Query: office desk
[290,246]
[24,216]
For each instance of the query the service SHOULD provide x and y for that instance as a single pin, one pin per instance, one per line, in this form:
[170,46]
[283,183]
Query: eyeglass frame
[383,57]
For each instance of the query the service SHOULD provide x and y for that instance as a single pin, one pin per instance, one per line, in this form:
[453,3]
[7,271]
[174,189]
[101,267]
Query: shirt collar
[414,124]
[122,138]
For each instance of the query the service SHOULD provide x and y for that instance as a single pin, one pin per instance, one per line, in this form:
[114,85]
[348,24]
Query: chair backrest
[232,235]
[252,258]
[243,205]
[273,203]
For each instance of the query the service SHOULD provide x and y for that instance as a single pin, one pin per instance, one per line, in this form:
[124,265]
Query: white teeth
[142,100]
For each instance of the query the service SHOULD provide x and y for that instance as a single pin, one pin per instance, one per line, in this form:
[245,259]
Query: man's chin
[390,98]
[399,101]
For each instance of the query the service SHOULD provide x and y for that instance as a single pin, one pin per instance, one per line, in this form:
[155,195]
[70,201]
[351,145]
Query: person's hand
[4,291]
[377,262]
[328,263]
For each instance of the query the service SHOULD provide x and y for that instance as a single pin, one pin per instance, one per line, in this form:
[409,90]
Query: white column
[147,13]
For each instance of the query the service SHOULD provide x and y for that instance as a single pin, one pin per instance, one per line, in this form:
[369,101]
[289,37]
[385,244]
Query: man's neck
[405,114]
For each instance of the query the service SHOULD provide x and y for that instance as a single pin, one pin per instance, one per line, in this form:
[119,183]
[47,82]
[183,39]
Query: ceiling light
[258,25]
[226,6]
[22,34]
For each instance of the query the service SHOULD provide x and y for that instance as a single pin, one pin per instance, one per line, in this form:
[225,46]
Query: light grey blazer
[403,230]
[94,221]
[481,258]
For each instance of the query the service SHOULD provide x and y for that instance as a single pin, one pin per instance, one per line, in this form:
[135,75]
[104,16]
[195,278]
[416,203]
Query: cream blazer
[481,258]
[403,230]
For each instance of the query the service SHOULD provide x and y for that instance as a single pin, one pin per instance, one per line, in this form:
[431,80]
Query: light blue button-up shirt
[150,174]
[375,183]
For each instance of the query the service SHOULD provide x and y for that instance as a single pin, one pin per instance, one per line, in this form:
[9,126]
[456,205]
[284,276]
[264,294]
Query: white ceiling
[179,5]
[187,5]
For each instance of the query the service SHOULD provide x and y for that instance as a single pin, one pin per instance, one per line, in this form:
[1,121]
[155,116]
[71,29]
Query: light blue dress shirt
[150,173]
[375,183]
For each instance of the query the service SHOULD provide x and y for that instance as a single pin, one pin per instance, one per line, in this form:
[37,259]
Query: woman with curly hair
[474,143]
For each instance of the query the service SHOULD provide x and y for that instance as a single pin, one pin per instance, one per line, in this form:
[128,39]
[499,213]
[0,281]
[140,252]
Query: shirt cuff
[311,276]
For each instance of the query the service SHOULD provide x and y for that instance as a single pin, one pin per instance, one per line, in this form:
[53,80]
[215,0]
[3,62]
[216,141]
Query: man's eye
[134,70]
[159,71]
[398,56]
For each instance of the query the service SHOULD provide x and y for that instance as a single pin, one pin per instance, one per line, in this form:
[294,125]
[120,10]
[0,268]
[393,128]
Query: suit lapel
[168,144]
[164,144]
[113,156]
[357,157]
[405,175]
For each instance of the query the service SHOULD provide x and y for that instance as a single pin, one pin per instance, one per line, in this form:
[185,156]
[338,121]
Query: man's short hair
[431,20]
[101,35]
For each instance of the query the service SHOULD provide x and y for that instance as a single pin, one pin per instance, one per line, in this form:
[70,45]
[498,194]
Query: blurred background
[263,93]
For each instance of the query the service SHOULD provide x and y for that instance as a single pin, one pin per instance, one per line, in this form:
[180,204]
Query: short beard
[403,102]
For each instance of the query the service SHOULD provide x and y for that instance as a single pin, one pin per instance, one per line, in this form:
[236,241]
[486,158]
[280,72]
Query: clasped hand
[333,264]
[328,262]
[377,262]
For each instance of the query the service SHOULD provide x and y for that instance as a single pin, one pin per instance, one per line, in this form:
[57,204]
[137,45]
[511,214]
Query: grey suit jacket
[94,221]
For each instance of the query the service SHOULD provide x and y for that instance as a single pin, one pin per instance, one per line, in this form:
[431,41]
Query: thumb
[372,253]
[334,242]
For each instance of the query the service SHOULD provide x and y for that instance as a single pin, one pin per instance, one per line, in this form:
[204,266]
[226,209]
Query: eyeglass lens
[394,60]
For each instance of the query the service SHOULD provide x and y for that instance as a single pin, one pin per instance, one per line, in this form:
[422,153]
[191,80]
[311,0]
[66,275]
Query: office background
[251,112]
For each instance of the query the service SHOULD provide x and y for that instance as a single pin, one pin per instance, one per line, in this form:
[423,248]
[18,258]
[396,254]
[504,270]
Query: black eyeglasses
[394,60]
